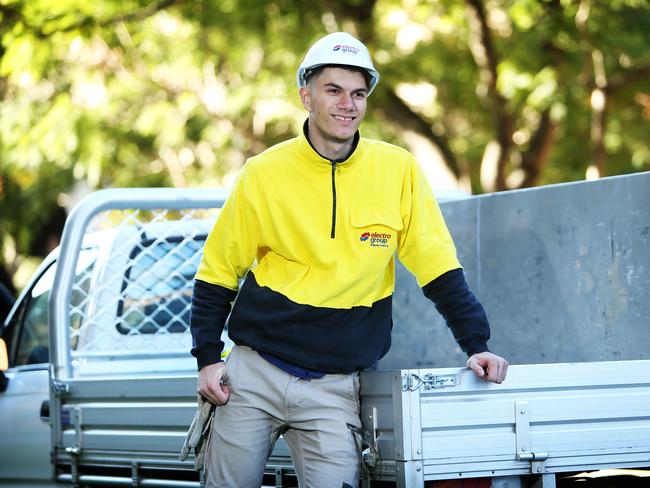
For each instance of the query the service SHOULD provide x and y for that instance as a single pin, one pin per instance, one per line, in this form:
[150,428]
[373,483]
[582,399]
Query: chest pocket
[377,227]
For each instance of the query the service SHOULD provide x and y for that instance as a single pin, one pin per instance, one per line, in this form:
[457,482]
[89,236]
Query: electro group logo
[377,239]
[345,49]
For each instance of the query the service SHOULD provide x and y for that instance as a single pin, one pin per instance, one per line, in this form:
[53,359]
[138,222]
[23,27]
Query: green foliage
[173,92]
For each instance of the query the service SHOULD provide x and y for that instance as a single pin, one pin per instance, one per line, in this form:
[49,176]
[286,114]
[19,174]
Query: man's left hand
[488,366]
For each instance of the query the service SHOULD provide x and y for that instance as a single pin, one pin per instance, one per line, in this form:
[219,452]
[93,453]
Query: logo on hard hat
[345,49]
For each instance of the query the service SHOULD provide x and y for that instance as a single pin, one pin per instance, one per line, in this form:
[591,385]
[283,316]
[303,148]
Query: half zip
[333,231]
[353,149]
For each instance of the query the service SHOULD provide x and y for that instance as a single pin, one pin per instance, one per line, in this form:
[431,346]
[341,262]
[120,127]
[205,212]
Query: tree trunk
[534,160]
[485,57]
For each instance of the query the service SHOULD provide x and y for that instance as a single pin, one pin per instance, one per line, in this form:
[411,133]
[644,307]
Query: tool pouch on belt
[198,434]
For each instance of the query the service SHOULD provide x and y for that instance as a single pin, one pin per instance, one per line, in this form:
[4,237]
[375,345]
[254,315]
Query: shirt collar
[349,158]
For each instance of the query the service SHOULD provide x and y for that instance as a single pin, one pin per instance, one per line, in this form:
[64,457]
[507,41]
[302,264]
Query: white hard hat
[338,48]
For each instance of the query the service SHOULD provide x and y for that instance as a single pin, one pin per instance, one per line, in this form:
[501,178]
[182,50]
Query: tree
[494,94]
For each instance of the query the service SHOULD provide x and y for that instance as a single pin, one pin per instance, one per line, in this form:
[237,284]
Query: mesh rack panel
[133,282]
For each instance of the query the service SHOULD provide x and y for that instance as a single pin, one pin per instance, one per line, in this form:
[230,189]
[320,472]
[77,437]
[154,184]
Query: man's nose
[346,101]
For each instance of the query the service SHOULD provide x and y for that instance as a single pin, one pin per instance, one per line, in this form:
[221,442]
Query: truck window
[33,333]
[157,287]
[31,322]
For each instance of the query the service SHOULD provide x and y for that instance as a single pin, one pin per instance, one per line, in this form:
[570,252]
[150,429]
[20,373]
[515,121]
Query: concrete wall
[563,272]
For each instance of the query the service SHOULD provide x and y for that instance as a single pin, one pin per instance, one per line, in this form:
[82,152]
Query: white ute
[100,387]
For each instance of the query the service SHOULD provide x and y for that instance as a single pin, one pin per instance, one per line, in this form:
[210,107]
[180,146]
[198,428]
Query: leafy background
[490,95]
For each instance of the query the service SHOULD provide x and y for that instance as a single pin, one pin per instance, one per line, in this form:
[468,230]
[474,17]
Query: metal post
[547,480]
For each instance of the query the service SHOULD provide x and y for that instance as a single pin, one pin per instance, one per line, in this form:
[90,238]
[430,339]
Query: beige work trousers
[266,402]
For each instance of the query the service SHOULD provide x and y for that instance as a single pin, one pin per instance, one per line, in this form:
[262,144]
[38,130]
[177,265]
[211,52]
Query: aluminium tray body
[444,423]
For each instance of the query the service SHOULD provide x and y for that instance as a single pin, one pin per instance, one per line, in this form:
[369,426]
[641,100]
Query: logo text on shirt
[376,239]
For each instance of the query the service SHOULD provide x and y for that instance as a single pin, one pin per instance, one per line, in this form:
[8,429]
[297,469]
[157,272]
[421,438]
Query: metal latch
[522,437]
[60,388]
[75,451]
[537,461]
[413,382]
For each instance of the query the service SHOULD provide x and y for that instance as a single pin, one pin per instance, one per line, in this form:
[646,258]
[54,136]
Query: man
[319,219]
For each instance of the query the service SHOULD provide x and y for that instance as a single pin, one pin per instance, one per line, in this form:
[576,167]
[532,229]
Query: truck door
[24,404]
[25,434]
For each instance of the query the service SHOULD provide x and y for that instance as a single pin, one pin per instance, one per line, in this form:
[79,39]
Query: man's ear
[305,98]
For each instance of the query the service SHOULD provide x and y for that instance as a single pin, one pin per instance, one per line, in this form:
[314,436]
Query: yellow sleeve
[425,246]
[231,246]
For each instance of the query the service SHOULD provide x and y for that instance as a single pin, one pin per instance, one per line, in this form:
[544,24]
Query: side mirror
[4,365]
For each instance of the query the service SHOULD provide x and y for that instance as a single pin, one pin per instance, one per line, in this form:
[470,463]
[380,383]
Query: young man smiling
[336,99]
[314,224]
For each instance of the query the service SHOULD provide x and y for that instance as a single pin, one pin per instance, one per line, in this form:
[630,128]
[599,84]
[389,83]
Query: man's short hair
[310,73]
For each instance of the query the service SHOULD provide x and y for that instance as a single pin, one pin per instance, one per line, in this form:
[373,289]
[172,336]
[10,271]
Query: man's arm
[229,251]
[468,322]
[210,308]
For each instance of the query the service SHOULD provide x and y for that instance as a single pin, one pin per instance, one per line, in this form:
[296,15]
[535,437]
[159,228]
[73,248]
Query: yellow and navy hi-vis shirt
[320,240]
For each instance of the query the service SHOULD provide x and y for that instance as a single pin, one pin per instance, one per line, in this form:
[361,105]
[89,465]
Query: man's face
[336,99]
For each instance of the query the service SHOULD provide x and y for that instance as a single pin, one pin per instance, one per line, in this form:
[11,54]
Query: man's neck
[328,148]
